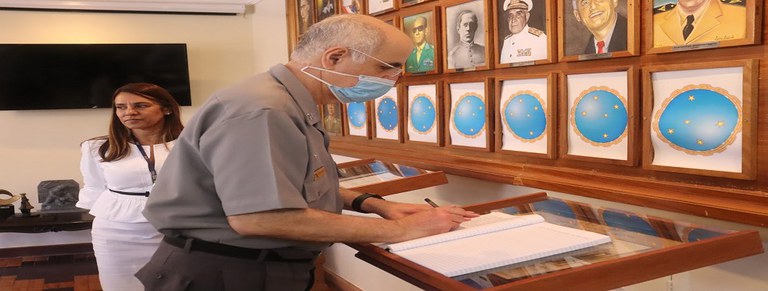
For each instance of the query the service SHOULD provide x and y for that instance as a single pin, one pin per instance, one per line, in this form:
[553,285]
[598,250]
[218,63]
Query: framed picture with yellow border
[599,109]
[701,118]
[423,113]
[526,110]
[468,106]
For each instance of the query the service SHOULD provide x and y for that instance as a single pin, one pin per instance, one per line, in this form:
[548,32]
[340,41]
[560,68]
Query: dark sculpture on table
[26,207]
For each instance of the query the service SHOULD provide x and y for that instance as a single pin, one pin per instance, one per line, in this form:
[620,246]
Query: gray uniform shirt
[255,146]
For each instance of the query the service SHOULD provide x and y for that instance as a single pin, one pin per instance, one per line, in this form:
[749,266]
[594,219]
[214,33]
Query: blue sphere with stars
[422,114]
[387,113]
[356,113]
[699,120]
[469,115]
[600,116]
[525,117]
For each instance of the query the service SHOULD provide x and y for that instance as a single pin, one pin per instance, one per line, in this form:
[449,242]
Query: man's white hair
[346,30]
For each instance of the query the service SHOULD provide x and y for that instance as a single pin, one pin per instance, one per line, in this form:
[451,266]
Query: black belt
[192,244]
[145,194]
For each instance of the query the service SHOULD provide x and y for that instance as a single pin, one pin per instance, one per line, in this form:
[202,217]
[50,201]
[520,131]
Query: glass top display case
[642,247]
[385,178]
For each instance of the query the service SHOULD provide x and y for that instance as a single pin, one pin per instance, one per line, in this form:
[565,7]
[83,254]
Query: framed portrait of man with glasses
[421,27]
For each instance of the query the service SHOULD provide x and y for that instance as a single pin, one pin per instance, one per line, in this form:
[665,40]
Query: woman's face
[137,112]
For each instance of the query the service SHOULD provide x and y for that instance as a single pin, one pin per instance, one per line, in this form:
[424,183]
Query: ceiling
[171,6]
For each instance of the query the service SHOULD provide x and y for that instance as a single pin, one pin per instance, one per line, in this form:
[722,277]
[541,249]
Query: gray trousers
[176,269]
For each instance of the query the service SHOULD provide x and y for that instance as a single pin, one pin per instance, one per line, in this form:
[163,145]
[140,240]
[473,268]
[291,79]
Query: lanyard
[150,160]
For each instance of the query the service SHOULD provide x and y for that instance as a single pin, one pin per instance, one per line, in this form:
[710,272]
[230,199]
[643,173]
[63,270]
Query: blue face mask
[367,87]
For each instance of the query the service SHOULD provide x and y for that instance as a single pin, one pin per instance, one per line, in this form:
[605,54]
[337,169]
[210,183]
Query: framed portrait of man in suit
[595,29]
[523,30]
[680,25]
[422,28]
[466,41]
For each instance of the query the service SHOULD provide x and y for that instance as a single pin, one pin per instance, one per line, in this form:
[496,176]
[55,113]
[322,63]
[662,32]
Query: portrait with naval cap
[521,31]
[599,29]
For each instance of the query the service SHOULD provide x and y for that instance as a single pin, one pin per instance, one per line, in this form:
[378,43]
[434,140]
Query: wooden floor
[78,272]
[50,273]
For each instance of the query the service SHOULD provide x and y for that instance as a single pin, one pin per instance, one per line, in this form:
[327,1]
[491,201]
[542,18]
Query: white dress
[123,240]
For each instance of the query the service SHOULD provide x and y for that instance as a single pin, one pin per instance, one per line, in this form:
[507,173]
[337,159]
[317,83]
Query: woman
[119,170]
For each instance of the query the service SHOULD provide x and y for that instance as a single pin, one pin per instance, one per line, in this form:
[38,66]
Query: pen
[429,201]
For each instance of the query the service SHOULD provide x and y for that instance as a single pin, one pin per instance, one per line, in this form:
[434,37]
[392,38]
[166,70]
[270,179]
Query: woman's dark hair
[118,141]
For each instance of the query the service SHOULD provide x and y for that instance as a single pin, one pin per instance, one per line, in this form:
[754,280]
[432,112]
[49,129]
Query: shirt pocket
[317,185]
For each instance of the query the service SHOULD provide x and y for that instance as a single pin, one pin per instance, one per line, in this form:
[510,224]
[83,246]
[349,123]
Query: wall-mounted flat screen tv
[70,76]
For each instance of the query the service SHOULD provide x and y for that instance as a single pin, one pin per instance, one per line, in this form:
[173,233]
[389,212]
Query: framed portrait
[600,121]
[332,118]
[467,106]
[357,119]
[305,16]
[422,28]
[376,7]
[596,29]
[423,113]
[466,40]
[524,32]
[525,115]
[325,9]
[387,118]
[678,25]
[404,3]
[351,6]
[701,118]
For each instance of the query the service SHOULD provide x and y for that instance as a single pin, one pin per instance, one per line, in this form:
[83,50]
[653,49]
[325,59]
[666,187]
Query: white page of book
[501,248]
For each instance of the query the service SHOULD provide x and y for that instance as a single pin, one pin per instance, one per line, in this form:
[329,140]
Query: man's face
[466,27]
[419,31]
[517,18]
[690,5]
[596,14]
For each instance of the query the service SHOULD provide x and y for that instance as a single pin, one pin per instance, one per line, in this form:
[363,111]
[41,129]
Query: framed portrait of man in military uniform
[522,32]
[422,28]
[351,6]
[466,37]
[596,29]
[305,15]
[680,25]
[325,9]
[332,118]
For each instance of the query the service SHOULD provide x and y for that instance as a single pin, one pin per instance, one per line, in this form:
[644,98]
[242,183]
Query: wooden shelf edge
[737,205]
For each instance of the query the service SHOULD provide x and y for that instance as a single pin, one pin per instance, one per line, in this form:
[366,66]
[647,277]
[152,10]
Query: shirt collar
[298,92]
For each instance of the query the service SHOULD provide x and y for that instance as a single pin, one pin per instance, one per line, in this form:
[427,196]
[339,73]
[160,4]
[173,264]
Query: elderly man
[608,28]
[524,43]
[698,21]
[422,58]
[250,194]
[467,53]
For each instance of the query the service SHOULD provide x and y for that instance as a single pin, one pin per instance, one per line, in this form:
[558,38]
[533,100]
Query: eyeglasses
[420,28]
[395,70]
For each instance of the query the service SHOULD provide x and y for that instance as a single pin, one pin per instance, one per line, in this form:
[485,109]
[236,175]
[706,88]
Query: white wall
[42,145]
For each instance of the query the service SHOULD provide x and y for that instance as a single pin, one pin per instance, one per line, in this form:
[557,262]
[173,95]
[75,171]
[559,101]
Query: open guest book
[494,240]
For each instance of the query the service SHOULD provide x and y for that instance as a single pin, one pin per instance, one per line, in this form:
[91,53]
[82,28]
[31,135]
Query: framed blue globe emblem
[356,112]
[699,120]
[422,114]
[525,116]
[469,115]
[386,113]
[599,116]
